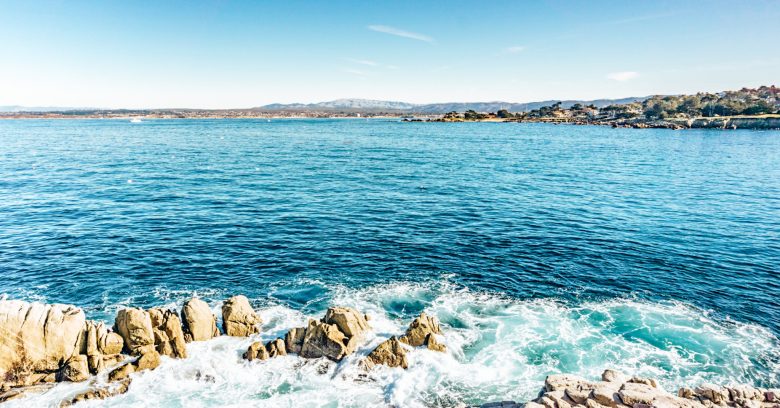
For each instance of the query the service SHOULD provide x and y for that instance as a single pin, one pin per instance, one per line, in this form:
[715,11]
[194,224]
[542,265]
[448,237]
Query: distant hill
[18,108]
[434,108]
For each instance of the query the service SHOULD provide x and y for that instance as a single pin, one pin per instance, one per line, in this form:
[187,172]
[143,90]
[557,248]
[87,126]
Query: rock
[256,351]
[37,338]
[76,369]
[348,320]
[20,392]
[745,392]
[238,317]
[641,380]
[606,393]
[713,393]
[199,323]
[293,340]
[638,393]
[276,348]
[613,376]
[433,344]
[417,333]
[148,361]
[122,372]
[324,340]
[504,404]
[168,333]
[532,404]
[99,393]
[557,382]
[390,353]
[135,327]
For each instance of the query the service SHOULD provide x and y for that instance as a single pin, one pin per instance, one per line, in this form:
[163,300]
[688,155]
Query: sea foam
[498,348]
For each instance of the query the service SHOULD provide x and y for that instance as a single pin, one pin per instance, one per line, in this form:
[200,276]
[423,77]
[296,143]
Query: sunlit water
[541,248]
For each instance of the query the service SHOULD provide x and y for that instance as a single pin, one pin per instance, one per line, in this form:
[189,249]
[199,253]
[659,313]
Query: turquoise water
[541,248]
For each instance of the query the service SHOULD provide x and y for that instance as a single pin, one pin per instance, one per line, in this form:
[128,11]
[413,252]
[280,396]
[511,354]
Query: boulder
[238,317]
[613,376]
[713,392]
[348,320]
[36,338]
[148,361]
[638,393]
[256,351]
[390,353]
[168,333]
[557,382]
[199,323]
[135,327]
[417,333]
[324,340]
[76,369]
[293,340]
[276,348]
[422,332]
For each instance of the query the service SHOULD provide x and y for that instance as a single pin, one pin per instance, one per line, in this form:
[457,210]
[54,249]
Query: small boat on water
[135,120]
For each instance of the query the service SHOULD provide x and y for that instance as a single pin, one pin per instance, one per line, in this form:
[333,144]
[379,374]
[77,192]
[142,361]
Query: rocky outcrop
[37,340]
[99,392]
[148,361]
[390,352]
[422,332]
[168,333]
[199,323]
[238,317]
[337,335]
[616,390]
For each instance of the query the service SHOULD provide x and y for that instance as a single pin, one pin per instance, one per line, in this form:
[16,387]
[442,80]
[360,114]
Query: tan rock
[417,333]
[135,327]
[433,344]
[35,337]
[148,361]
[557,382]
[641,380]
[122,372]
[714,393]
[348,320]
[613,376]
[76,369]
[606,393]
[199,323]
[168,333]
[390,353]
[293,340]
[638,393]
[238,317]
[256,351]
[324,340]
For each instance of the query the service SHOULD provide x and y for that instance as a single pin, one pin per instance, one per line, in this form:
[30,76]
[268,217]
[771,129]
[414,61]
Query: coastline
[47,344]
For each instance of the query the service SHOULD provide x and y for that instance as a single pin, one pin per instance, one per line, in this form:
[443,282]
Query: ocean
[541,248]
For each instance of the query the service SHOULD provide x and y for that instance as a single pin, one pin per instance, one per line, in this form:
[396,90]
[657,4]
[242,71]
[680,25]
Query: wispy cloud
[355,72]
[363,62]
[401,33]
[623,76]
[514,49]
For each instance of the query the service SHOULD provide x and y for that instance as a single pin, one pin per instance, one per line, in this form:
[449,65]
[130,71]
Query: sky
[240,54]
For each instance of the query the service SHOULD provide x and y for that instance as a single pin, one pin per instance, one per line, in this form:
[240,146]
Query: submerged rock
[198,321]
[238,317]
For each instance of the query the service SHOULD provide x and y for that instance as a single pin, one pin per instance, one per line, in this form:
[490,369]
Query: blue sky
[221,54]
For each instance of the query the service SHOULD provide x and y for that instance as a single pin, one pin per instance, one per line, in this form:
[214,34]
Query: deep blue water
[101,213]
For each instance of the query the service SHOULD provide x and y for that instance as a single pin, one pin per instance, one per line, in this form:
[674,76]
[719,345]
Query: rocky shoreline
[43,344]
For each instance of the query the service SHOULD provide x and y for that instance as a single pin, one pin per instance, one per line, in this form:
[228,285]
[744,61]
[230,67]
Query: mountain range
[371,105]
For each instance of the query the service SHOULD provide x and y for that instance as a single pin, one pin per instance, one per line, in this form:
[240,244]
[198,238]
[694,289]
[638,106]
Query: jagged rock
[36,338]
[348,320]
[256,351]
[293,340]
[276,348]
[418,332]
[199,323]
[99,393]
[433,344]
[390,353]
[135,327]
[324,340]
[98,363]
[148,361]
[238,317]
[638,393]
[168,333]
[76,369]
[712,392]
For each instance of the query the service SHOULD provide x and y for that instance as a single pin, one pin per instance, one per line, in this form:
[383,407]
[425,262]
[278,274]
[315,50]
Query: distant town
[744,108]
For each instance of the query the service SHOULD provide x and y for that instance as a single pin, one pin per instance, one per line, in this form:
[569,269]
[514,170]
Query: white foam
[498,348]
